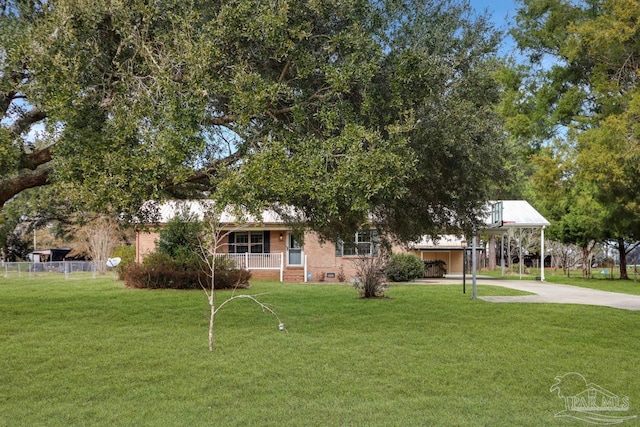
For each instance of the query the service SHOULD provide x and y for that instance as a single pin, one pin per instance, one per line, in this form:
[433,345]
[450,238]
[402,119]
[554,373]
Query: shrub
[370,279]
[404,268]
[161,277]
[179,238]
[127,255]
[160,260]
[230,279]
[160,271]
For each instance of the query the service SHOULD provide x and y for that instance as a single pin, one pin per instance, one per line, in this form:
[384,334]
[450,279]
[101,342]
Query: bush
[230,279]
[127,255]
[160,271]
[404,268]
[179,238]
[370,278]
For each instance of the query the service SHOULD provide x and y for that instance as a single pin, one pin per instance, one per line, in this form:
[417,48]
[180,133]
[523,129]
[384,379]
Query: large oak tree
[344,110]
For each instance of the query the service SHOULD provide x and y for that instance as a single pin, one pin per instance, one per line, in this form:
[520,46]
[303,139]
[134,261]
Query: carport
[516,216]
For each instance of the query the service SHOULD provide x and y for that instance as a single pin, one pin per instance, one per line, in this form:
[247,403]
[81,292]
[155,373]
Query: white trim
[305,268]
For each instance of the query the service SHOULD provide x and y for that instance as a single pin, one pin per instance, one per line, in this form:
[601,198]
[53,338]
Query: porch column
[305,269]
[281,267]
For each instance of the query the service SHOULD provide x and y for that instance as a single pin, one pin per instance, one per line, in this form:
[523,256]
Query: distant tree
[589,96]
[102,239]
[570,204]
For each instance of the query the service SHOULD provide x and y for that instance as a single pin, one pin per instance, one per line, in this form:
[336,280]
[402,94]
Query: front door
[294,251]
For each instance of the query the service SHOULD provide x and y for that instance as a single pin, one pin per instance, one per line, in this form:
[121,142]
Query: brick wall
[145,244]
[322,263]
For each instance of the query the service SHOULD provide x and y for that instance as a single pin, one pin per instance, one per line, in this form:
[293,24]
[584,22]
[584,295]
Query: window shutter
[266,242]
[232,243]
[339,248]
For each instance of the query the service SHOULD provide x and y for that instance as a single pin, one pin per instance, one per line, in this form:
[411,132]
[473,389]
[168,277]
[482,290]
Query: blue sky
[502,11]
[499,9]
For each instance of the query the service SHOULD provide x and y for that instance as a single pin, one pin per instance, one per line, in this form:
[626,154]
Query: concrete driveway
[560,294]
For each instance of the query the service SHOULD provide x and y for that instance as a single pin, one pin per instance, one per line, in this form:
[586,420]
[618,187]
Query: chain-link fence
[68,268]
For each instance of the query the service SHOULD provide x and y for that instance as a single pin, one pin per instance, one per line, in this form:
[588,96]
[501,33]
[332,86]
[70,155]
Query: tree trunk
[623,259]
[586,260]
[212,317]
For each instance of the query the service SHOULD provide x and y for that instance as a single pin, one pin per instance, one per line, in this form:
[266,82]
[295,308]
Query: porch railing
[247,261]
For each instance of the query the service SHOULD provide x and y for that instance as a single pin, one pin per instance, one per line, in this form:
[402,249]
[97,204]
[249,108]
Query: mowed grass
[94,353]
[603,282]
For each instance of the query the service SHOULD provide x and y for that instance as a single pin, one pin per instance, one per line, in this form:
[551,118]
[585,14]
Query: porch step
[293,276]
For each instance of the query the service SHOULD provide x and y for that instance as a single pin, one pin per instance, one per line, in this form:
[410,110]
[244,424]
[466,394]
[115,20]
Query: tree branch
[5,101]
[221,120]
[284,72]
[24,122]
[12,186]
[37,158]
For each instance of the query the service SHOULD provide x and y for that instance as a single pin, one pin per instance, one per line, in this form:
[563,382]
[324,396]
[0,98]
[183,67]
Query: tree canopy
[587,93]
[345,111]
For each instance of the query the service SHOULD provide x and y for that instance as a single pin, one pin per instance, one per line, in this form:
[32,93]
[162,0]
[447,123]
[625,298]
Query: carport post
[520,252]
[502,256]
[473,266]
[464,266]
[542,253]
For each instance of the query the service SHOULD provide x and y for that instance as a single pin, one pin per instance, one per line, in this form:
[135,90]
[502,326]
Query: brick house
[269,248]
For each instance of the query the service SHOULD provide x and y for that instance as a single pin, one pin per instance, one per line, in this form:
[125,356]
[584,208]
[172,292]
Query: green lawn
[93,353]
[597,280]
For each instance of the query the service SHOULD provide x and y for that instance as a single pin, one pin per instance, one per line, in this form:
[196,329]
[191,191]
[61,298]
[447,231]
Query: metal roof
[447,241]
[170,209]
[516,214]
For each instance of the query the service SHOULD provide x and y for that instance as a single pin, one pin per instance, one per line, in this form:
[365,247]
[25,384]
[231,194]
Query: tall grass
[94,353]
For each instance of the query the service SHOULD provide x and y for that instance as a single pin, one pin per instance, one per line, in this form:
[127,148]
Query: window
[255,242]
[294,250]
[242,243]
[364,242]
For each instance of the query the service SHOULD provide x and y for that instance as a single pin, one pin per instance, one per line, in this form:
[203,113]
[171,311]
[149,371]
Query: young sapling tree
[211,242]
